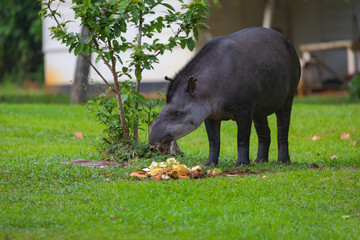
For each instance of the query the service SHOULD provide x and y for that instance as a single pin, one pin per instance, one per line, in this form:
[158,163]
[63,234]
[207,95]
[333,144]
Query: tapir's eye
[177,114]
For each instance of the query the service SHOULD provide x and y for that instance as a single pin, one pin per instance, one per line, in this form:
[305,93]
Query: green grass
[40,199]
[14,94]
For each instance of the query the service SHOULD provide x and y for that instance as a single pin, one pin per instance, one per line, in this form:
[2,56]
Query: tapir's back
[256,66]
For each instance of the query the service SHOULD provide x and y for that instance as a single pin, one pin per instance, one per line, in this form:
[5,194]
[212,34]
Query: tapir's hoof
[261,160]
[242,163]
[210,163]
[284,161]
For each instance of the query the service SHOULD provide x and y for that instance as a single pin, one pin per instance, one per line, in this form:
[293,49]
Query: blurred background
[326,34]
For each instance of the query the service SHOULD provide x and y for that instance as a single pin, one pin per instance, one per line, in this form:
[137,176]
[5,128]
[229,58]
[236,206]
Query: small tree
[109,20]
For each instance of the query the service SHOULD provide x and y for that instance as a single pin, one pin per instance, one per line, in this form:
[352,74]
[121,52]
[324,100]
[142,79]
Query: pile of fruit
[171,169]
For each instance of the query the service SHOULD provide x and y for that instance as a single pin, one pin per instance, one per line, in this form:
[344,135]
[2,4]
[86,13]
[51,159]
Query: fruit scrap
[214,172]
[196,172]
[173,169]
[138,174]
[156,177]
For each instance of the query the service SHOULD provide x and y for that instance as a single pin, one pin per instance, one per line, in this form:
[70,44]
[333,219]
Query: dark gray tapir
[245,76]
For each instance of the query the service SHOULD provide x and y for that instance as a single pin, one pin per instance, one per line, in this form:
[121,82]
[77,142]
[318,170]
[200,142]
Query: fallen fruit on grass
[173,169]
[156,177]
[181,169]
[138,174]
[215,171]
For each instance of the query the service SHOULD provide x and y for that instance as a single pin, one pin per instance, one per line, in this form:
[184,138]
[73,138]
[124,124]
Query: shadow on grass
[17,98]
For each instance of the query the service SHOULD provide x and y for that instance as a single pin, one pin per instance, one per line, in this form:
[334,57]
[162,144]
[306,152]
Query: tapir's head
[184,112]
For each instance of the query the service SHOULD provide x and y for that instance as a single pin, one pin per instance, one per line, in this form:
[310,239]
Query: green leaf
[78,49]
[88,39]
[196,34]
[138,73]
[205,25]
[134,13]
[117,31]
[190,44]
[168,6]
[87,3]
[107,56]
[86,50]
[116,45]
[71,40]
[98,58]
[182,43]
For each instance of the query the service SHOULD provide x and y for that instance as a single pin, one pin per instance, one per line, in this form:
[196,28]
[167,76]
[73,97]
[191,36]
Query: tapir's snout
[159,135]
[156,139]
[153,140]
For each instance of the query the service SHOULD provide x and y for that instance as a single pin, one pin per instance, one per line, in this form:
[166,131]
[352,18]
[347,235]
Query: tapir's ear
[191,88]
[168,79]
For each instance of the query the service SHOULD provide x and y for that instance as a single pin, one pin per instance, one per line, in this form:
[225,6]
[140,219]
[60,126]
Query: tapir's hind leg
[283,123]
[263,132]
[213,132]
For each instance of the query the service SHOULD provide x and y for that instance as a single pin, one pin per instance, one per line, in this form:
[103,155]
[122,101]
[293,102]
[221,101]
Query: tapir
[245,77]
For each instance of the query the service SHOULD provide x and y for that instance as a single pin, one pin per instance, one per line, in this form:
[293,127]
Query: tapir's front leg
[244,121]
[213,132]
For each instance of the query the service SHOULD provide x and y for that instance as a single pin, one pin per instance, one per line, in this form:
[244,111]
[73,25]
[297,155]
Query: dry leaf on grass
[332,157]
[313,165]
[316,137]
[78,135]
[345,136]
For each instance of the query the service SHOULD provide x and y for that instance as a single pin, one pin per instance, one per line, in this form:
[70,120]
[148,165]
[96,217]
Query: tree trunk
[136,122]
[80,85]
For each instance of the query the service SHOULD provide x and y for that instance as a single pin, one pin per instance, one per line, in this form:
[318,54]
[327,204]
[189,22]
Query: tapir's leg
[244,121]
[283,123]
[263,132]
[213,132]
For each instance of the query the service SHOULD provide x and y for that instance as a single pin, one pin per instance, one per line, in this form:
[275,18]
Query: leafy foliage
[354,90]
[106,112]
[20,42]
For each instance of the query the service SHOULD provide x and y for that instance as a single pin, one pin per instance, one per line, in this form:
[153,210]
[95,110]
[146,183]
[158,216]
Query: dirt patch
[314,166]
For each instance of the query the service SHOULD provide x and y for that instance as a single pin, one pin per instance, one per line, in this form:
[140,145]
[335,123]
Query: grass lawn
[40,199]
